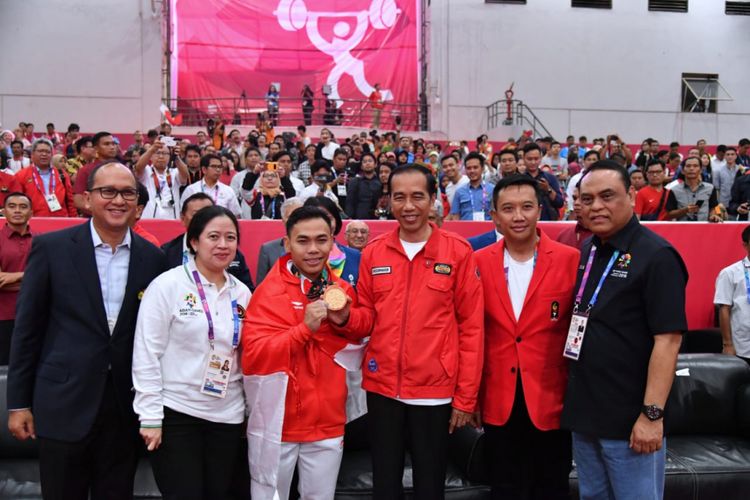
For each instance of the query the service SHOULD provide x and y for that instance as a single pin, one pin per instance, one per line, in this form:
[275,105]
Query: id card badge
[341,191]
[477,216]
[216,377]
[575,336]
[52,202]
[166,204]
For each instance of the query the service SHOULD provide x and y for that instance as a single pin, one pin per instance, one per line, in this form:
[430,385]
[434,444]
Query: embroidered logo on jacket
[443,269]
[381,270]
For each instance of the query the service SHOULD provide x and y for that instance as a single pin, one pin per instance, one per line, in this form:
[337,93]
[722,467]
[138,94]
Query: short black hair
[143,196]
[319,164]
[301,128]
[81,143]
[13,194]
[322,202]
[673,156]
[591,152]
[192,198]
[92,175]
[613,166]
[152,133]
[516,180]
[74,127]
[744,142]
[201,219]
[553,143]
[305,212]
[745,234]
[448,157]
[207,159]
[414,168]
[474,156]
[50,124]
[721,148]
[282,154]
[16,141]
[654,161]
[511,152]
[731,148]
[252,148]
[99,136]
[674,144]
[194,148]
[532,146]
[340,152]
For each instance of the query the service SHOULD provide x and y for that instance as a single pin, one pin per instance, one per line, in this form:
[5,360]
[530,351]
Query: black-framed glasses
[110,193]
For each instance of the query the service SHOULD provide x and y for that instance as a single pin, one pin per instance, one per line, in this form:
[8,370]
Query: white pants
[317,465]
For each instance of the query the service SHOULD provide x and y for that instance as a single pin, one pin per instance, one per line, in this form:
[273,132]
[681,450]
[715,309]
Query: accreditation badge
[477,216]
[216,375]
[341,190]
[52,202]
[575,336]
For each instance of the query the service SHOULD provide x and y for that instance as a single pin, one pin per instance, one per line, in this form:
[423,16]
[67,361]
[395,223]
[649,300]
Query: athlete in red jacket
[51,193]
[421,297]
[528,281]
[288,339]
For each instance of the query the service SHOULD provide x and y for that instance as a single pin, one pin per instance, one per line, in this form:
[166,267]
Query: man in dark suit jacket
[176,249]
[69,379]
[483,240]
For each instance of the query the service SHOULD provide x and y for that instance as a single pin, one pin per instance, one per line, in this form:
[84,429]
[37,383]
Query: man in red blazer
[528,282]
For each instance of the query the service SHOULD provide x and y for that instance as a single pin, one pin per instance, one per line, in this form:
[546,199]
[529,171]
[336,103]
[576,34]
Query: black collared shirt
[642,296]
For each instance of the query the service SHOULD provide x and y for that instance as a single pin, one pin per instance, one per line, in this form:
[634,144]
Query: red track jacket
[63,190]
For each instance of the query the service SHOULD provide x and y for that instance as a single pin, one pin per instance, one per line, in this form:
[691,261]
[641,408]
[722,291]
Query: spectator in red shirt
[50,193]
[15,244]
[651,200]
[106,149]
[376,103]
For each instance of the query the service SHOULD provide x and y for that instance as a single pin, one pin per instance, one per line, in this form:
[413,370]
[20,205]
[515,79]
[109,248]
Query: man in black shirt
[624,341]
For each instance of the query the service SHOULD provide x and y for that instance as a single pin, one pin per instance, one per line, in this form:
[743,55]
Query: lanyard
[159,186]
[747,282]
[37,175]
[263,206]
[207,310]
[216,191]
[585,279]
[484,198]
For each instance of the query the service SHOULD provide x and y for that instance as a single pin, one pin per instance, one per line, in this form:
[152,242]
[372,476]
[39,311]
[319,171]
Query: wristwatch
[652,412]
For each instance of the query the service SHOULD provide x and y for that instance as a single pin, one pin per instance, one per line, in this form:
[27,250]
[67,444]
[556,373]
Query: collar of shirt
[98,241]
[622,240]
[229,281]
[498,235]
[8,232]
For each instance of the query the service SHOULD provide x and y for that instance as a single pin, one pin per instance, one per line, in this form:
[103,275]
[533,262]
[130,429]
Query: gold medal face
[335,298]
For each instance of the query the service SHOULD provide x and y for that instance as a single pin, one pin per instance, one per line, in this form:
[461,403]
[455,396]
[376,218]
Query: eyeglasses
[110,193]
[215,167]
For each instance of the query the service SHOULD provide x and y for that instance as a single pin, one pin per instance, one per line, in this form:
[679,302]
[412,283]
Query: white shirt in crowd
[222,195]
[171,348]
[450,189]
[731,290]
[163,203]
[16,165]
[312,190]
[241,194]
[327,151]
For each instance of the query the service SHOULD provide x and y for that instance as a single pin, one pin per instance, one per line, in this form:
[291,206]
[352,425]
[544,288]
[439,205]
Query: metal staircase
[509,112]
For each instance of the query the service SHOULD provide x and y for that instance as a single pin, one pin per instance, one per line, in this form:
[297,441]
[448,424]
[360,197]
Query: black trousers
[103,462]
[197,458]
[525,463]
[6,330]
[426,427]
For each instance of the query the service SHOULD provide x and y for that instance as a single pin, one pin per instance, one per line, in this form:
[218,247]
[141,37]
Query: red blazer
[533,344]
[63,190]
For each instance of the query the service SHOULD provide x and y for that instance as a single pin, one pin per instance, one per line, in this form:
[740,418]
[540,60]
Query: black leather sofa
[708,452]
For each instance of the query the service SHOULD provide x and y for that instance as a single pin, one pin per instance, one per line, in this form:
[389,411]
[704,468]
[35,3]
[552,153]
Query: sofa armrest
[743,410]
[466,452]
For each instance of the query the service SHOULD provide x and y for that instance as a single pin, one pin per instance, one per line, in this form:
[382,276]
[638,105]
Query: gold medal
[335,298]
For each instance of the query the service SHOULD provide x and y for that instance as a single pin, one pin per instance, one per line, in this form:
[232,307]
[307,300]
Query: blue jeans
[609,470]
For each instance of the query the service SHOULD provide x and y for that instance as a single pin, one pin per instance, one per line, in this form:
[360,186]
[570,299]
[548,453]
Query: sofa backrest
[706,395]
[10,447]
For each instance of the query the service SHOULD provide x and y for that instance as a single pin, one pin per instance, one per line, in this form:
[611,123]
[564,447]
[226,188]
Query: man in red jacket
[49,190]
[421,297]
[528,281]
[294,360]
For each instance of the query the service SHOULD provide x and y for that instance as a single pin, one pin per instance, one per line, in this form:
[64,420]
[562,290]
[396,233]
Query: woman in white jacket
[186,374]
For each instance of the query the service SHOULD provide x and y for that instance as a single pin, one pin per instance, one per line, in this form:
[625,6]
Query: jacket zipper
[403,329]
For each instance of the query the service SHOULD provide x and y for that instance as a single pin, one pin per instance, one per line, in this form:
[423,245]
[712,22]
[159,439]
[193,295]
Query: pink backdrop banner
[227,46]
[706,248]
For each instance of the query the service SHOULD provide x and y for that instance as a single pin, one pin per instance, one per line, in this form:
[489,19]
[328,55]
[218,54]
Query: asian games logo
[190,300]
[293,15]
[624,261]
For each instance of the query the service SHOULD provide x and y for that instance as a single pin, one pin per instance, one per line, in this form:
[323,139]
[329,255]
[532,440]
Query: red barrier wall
[706,248]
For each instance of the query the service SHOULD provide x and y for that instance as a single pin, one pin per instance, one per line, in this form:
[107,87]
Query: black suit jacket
[270,251]
[238,268]
[62,349]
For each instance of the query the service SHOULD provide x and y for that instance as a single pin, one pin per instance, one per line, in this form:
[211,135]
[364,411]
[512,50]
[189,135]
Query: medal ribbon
[585,279]
[37,175]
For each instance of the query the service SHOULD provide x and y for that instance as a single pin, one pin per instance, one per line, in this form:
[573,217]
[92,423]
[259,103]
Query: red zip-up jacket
[425,317]
[275,338]
[63,191]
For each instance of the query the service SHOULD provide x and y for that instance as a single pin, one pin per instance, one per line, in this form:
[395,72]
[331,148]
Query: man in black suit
[176,249]
[270,251]
[69,379]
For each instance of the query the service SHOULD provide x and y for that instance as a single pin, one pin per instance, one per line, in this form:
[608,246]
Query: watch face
[653,412]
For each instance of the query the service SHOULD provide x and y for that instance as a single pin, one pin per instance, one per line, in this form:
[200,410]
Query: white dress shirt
[222,195]
[163,203]
[113,273]
[171,348]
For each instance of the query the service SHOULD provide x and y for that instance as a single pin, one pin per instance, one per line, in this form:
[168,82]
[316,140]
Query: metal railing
[246,110]
[515,112]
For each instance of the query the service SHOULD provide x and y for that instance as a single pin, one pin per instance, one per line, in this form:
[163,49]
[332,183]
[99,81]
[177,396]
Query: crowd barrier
[706,248]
